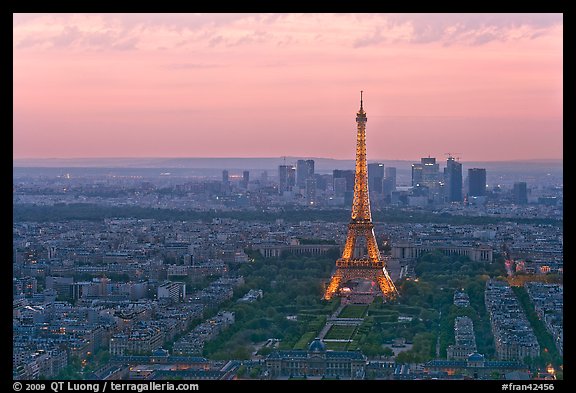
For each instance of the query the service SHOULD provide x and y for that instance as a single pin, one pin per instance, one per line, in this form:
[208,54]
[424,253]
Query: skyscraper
[287,178]
[347,174]
[339,186]
[477,181]
[391,174]
[245,178]
[520,193]
[417,174]
[426,173]
[225,182]
[453,180]
[311,190]
[389,183]
[375,177]
[304,171]
[430,172]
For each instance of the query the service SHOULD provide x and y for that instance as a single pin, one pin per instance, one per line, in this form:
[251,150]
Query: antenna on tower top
[361,91]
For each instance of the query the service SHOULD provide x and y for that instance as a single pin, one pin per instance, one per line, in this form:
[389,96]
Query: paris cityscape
[283,251]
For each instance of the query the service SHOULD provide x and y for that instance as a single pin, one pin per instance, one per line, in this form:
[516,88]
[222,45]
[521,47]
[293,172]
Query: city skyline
[242,85]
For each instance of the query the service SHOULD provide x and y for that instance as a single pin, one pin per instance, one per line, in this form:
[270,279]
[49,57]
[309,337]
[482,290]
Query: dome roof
[160,352]
[475,357]
[317,346]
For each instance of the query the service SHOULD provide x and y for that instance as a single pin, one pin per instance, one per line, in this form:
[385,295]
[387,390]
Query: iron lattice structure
[371,266]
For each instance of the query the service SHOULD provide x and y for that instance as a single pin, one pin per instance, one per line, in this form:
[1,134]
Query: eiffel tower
[352,265]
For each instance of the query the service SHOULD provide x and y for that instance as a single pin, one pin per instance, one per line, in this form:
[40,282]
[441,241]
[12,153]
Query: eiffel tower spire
[371,266]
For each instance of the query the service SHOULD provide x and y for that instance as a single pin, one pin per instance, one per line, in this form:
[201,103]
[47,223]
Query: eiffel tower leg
[386,285]
[334,284]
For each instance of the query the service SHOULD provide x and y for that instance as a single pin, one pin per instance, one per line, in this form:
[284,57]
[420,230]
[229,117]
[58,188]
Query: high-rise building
[375,177]
[426,173]
[339,186]
[389,183]
[417,174]
[430,172]
[245,178]
[304,171]
[225,182]
[453,180]
[287,178]
[347,174]
[390,173]
[311,190]
[520,193]
[322,181]
[477,182]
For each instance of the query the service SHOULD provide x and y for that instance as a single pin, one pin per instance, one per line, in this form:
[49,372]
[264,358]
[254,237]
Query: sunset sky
[482,86]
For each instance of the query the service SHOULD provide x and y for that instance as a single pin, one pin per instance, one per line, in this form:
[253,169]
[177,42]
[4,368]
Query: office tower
[375,177]
[417,174]
[287,178]
[520,193]
[426,173]
[430,172]
[311,190]
[391,174]
[354,263]
[225,182]
[453,180]
[339,186]
[389,183]
[347,174]
[245,178]
[476,181]
[322,181]
[304,170]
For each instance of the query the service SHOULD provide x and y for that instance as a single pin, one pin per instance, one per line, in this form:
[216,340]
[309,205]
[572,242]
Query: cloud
[467,29]
[184,66]
[127,44]
[69,35]
[371,39]
[131,31]
[72,36]
[29,41]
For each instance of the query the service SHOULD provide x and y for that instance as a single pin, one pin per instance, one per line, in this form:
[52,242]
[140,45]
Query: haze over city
[487,86]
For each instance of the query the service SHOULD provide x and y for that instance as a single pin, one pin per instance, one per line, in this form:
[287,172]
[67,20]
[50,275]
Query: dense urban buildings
[137,289]
[513,335]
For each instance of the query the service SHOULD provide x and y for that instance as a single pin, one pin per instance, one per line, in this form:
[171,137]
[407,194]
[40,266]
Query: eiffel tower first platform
[354,262]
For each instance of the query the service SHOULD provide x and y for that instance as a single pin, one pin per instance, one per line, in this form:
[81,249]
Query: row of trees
[548,352]
[95,212]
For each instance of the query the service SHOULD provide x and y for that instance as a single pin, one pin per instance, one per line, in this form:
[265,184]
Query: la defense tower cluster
[354,263]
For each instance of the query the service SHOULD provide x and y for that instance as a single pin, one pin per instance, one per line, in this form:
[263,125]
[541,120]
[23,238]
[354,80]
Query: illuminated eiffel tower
[353,264]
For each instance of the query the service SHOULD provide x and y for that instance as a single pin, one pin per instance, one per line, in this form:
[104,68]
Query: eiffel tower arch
[353,264]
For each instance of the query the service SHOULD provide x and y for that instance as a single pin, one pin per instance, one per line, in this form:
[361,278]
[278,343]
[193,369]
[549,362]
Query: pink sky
[484,86]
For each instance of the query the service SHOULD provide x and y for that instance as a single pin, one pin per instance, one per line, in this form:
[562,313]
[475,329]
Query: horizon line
[272,157]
